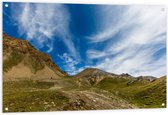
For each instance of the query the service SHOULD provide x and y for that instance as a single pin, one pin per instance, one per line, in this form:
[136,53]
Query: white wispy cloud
[42,22]
[142,33]
[69,63]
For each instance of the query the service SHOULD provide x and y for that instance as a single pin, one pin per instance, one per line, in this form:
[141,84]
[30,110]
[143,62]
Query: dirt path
[89,100]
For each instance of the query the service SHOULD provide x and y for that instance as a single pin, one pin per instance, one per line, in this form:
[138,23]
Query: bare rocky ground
[90,100]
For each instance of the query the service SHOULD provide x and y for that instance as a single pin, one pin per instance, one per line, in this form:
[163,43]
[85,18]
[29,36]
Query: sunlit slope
[143,93]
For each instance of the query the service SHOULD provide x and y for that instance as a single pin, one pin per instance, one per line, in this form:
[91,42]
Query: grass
[26,84]
[34,101]
[141,93]
[152,95]
[27,95]
[31,96]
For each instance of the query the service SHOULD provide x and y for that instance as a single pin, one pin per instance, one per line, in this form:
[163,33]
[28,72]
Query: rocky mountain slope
[92,76]
[22,60]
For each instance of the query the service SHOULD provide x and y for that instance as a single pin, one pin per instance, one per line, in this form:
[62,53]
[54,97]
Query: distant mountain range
[93,76]
[31,75]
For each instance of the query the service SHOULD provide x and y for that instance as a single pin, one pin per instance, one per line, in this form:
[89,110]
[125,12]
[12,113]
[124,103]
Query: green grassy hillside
[143,93]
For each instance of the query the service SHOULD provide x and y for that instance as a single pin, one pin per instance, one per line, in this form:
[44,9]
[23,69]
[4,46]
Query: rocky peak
[93,75]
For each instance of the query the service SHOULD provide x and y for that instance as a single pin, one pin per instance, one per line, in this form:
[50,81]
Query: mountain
[94,72]
[141,92]
[33,82]
[141,78]
[22,60]
[93,75]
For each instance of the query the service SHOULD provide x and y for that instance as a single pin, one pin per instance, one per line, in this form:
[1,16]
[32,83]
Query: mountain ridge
[94,76]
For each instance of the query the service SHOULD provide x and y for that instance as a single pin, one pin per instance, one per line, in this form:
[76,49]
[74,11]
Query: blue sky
[115,38]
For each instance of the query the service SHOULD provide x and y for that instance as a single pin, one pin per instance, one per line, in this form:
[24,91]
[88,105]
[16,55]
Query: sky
[115,38]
